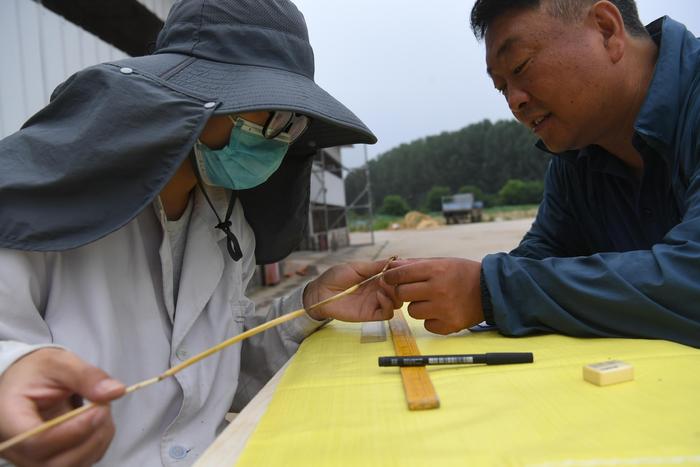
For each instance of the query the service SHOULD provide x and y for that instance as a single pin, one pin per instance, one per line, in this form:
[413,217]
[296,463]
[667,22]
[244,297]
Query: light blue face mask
[247,161]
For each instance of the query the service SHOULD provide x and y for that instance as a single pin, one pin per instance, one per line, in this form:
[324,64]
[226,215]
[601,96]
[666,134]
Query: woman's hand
[374,301]
[43,385]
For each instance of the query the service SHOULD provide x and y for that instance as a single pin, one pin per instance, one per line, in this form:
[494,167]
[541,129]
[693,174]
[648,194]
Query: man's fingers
[414,292]
[404,261]
[369,268]
[386,310]
[438,327]
[421,310]
[412,272]
[390,291]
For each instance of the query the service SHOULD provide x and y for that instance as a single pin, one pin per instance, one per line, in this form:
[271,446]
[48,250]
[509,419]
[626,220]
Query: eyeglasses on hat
[278,123]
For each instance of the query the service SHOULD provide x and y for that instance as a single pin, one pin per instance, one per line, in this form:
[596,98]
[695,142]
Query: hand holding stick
[191,361]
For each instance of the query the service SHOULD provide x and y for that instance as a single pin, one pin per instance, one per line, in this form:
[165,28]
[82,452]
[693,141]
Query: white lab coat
[111,302]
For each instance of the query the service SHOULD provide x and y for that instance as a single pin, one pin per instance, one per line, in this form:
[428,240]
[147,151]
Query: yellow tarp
[336,407]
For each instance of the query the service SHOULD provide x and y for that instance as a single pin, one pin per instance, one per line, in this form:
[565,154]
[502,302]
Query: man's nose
[517,99]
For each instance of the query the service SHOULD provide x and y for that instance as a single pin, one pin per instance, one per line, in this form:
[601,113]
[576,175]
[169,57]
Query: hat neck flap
[104,148]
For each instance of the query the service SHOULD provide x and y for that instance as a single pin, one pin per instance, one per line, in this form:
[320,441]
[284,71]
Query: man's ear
[608,22]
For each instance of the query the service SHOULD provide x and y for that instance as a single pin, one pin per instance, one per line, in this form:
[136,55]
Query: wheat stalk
[190,361]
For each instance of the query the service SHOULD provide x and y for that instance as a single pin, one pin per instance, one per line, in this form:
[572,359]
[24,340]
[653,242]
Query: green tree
[521,192]
[394,205]
[484,155]
[434,199]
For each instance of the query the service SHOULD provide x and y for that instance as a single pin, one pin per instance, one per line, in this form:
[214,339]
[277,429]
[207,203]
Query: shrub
[394,205]
[521,192]
[434,197]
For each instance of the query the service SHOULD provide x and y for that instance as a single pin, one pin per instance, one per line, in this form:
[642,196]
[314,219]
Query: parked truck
[461,208]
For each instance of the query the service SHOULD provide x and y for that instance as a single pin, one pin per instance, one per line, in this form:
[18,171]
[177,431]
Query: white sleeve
[11,351]
[24,279]
[263,354]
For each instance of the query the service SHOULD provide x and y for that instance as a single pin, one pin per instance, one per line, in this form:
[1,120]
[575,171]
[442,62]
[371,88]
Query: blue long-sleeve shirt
[610,254]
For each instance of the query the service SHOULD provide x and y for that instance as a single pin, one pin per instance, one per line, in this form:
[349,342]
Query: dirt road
[472,241]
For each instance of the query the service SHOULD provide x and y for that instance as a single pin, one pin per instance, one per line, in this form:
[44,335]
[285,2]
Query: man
[134,208]
[615,247]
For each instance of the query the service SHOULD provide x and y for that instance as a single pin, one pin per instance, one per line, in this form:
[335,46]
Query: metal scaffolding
[335,216]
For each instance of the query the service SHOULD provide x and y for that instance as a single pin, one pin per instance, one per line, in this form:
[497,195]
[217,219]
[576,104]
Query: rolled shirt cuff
[298,329]
[486,304]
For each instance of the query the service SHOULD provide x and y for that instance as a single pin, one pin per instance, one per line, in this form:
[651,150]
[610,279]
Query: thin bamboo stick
[190,361]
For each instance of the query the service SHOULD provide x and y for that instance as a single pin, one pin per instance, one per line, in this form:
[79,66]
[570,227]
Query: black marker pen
[495,358]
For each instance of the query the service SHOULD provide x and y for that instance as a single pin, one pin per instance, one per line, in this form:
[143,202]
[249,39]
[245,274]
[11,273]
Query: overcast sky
[411,68]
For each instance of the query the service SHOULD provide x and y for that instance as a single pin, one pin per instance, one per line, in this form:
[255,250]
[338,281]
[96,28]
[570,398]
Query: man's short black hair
[485,11]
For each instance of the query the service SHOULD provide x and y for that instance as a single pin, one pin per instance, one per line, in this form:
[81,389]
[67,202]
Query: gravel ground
[472,241]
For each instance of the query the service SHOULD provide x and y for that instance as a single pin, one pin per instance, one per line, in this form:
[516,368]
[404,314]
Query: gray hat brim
[245,88]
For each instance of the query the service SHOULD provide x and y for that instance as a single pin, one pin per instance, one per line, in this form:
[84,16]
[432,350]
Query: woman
[134,208]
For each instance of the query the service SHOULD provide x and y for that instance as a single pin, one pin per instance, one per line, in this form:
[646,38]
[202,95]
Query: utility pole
[369,198]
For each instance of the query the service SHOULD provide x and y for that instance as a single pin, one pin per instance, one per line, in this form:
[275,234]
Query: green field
[506,209]
[357,223]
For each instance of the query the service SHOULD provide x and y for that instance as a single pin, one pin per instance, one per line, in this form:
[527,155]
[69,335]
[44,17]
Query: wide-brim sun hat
[114,134]
[250,55]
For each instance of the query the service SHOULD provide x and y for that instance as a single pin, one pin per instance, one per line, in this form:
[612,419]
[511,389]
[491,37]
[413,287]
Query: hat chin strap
[232,245]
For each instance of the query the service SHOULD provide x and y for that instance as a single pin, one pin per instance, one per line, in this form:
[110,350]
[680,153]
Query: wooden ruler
[420,392]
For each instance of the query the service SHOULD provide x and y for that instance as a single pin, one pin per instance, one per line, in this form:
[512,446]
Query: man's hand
[374,301]
[43,385]
[445,292]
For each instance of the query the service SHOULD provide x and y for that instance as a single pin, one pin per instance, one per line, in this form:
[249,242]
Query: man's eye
[520,67]
[503,90]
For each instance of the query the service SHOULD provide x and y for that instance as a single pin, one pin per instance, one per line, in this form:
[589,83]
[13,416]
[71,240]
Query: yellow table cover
[336,407]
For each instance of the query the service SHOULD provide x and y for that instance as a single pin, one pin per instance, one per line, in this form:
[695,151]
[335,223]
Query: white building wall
[159,7]
[40,49]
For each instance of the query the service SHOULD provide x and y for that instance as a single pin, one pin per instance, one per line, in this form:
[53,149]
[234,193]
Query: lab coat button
[177,452]
[126,70]
[181,354]
[209,105]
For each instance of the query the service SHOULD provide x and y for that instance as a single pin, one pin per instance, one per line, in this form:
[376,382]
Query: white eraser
[373,331]
[610,372]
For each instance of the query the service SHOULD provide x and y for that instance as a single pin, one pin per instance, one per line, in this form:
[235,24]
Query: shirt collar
[199,209]
[601,161]
[673,75]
